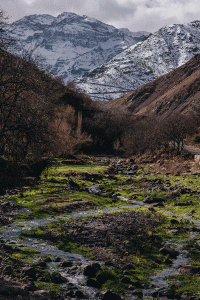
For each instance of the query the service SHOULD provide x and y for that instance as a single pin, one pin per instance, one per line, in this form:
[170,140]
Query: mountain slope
[162,52]
[72,44]
[176,92]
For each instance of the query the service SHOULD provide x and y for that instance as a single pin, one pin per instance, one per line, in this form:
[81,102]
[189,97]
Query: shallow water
[11,235]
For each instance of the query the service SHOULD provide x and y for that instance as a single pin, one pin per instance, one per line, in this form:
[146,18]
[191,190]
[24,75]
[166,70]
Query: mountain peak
[70,44]
[163,51]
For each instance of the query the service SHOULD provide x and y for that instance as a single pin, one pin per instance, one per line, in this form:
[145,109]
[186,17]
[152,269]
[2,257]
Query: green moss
[24,254]
[190,283]
[52,287]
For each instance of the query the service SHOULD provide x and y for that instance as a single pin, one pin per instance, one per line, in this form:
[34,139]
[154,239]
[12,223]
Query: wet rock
[66,264]
[91,270]
[168,251]
[93,283]
[109,295]
[189,269]
[80,295]
[41,264]
[57,259]
[58,279]
[47,259]
[73,270]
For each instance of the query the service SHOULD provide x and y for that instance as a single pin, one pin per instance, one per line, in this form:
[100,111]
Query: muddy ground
[112,236]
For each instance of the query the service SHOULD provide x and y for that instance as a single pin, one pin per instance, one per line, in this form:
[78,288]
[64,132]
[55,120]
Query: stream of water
[11,235]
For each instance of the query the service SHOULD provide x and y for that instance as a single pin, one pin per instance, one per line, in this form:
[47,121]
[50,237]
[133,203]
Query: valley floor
[103,228]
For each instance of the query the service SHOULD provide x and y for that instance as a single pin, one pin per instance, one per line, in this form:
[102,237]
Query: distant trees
[147,134]
[175,129]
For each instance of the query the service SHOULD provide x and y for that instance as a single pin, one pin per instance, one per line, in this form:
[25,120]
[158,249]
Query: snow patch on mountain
[70,44]
[160,53]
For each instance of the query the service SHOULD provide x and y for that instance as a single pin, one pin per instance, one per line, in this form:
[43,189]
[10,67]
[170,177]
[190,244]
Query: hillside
[176,92]
[71,44]
[165,50]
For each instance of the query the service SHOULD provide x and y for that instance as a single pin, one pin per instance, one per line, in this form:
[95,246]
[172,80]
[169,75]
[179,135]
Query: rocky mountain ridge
[160,53]
[175,92]
[71,44]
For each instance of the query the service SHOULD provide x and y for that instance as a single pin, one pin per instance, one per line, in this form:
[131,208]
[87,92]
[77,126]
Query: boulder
[80,295]
[93,283]
[66,264]
[30,272]
[91,270]
[109,295]
[189,269]
[168,251]
[150,200]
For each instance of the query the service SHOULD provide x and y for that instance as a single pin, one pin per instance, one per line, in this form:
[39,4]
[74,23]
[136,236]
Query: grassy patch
[48,286]
[188,283]
[24,254]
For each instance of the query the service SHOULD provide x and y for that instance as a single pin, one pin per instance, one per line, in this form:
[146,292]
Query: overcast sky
[148,15]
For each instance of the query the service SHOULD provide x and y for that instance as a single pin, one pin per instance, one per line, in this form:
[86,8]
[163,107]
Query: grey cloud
[147,15]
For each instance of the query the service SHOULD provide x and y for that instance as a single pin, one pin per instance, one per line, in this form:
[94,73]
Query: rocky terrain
[106,229]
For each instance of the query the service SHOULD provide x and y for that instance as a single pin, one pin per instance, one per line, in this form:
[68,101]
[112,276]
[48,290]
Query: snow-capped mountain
[160,53]
[72,44]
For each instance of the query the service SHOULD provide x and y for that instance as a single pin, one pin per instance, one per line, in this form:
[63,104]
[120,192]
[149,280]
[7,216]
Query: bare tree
[6,40]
